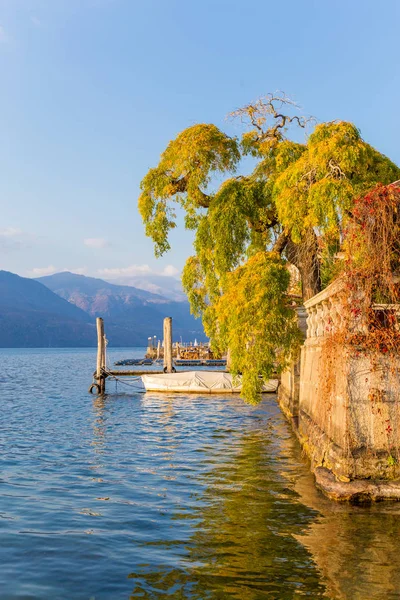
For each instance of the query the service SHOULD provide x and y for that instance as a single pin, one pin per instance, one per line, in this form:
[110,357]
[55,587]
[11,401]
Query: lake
[150,496]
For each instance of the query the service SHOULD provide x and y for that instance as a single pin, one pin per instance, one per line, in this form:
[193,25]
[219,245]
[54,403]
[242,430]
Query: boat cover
[210,382]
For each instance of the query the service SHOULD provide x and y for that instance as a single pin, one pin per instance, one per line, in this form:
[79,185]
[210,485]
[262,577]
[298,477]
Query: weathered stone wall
[350,425]
[343,404]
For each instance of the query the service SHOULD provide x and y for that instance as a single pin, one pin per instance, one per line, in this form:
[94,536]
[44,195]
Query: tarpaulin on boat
[215,382]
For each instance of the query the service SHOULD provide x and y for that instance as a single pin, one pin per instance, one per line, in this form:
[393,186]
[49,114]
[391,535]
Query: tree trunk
[305,257]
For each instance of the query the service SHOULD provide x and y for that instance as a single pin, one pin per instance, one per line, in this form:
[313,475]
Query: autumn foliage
[371,271]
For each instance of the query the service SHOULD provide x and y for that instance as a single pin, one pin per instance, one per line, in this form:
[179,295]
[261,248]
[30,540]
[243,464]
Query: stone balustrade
[325,311]
[334,309]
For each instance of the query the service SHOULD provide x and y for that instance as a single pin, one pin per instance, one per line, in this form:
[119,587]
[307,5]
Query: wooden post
[101,353]
[168,344]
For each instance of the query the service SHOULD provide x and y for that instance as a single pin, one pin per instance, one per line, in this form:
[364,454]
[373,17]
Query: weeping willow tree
[291,209]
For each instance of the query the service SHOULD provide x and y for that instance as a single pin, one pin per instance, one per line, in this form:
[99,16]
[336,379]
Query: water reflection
[164,410]
[355,548]
[99,423]
[261,529]
[243,534]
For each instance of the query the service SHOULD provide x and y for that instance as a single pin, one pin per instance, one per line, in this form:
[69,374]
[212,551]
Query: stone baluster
[313,322]
[326,317]
[319,320]
[335,317]
[310,332]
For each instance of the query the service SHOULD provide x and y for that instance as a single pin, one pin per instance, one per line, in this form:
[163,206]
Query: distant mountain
[98,297]
[32,316]
[60,311]
[128,311]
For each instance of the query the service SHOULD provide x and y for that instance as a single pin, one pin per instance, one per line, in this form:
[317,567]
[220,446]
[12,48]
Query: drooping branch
[203,200]
[180,186]
[334,170]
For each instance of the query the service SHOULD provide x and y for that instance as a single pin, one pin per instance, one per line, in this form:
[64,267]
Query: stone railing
[324,311]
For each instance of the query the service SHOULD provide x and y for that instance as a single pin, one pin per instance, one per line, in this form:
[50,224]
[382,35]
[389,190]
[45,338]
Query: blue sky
[93,90]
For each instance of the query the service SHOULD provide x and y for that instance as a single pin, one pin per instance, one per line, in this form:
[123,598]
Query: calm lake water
[149,496]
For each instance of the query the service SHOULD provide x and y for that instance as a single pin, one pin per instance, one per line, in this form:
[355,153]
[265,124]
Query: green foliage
[194,286]
[296,191]
[255,321]
[182,175]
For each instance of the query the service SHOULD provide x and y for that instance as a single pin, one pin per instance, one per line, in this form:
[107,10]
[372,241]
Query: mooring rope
[107,372]
[118,379]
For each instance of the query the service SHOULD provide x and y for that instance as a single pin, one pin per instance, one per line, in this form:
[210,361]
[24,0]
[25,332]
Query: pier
[193,352]
[217,381]
[102,372]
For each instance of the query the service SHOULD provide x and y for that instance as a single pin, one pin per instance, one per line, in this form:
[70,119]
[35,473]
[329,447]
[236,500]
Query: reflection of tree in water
[243,543]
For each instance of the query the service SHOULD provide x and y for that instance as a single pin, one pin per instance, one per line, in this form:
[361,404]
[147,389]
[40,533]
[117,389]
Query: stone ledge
[357,491]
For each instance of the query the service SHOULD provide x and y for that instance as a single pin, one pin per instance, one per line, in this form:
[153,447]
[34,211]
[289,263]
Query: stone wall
[344,405]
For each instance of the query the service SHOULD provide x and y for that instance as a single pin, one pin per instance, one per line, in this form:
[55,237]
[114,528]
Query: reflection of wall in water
[355,548]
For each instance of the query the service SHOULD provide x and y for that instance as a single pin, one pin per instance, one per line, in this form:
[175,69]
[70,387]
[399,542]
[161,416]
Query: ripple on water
[151,496]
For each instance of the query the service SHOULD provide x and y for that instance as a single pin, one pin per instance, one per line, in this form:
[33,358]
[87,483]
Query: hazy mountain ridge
[32,314]
[96,296]
[137,312]
[21,293]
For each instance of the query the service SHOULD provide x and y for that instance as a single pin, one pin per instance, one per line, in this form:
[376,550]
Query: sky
[92,91]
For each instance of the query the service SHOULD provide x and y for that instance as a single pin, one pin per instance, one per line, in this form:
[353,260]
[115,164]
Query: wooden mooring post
[168,345]
[101,355]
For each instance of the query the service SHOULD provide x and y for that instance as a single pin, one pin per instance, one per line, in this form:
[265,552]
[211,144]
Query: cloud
[13,238]
[42,271]
[170,271]
[10,232]
[130,271]
[36,21]
[51,269]
[96,243]
[137,270]
[78,271]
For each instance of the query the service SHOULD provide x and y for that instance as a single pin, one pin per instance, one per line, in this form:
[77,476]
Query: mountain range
[60,310]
